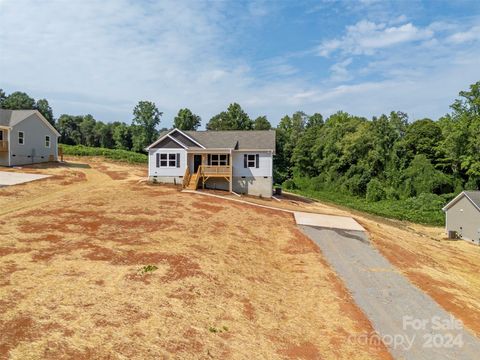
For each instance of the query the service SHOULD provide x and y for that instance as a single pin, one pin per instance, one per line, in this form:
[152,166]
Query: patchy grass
[446,270]
[148,269]
[112,154]
[71,247]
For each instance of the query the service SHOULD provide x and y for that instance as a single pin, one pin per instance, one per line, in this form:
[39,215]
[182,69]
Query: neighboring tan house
[238,161]
[26,137]
[463,216]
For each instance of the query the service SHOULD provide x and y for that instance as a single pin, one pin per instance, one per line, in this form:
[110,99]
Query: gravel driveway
[412,325]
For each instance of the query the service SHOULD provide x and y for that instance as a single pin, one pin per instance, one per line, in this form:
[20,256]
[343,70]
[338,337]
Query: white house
[462,216]
[26,137]
[239,161]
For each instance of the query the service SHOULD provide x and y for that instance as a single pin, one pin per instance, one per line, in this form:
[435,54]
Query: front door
[197,161]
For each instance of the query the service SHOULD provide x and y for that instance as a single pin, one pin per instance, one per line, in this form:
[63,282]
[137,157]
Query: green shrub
[289,184]
[113,154]
[375,191]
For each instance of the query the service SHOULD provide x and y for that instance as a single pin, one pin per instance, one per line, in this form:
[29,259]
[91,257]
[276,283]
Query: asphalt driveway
[411,324]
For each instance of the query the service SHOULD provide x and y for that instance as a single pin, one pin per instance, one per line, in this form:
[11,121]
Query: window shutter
[257,161]
[158,160]
[209,159]
[178,160]
[245,161]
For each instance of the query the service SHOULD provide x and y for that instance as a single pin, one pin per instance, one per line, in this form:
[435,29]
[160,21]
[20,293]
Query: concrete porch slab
[327,221]
[13,178]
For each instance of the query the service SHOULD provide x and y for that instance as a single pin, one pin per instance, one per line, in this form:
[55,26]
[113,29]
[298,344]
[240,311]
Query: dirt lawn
[446,270]
[231,280]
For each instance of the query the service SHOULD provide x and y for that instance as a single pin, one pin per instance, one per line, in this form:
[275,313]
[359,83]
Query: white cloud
[339,71]
[101,57]
[365,37]
[473,34]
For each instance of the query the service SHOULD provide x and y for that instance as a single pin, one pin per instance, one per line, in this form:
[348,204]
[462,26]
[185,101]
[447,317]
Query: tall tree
[146,118]
[122,136]
[3,96]
[43,106]
[69,128]
[261,123]
[87,127]
[232,119]
[18,101]
[186,120]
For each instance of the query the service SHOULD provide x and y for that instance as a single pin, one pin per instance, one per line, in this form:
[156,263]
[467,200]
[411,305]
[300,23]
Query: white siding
[464,218]
[166,171]
[33,149]
[265,166]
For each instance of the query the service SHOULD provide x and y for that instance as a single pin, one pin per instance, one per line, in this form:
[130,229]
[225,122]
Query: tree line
[136,136]
[386,157]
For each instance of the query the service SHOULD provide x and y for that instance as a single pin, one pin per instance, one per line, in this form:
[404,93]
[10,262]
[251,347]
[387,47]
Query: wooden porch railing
[211,170]
[186,178]
[3,145]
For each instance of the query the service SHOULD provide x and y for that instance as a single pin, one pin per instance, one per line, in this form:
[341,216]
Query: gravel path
[412,325]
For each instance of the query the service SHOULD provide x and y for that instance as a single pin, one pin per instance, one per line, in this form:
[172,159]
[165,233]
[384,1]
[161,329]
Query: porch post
[230,184]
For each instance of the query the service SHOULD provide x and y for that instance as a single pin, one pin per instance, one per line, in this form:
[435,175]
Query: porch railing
[186,178]
[209,170]
[3,145]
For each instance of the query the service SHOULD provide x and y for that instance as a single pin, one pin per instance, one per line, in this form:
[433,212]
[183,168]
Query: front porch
[203,165]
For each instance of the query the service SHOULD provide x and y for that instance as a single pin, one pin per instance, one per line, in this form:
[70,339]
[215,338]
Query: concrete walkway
[13,178]
[327,221]
[411,324]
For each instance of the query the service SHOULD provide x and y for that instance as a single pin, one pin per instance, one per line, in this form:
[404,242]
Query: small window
[172,160]
[1,135]
[251,161]
[21,137]
[47,141]
[163,160]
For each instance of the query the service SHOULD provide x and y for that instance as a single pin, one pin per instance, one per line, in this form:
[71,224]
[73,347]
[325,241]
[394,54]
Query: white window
[21,137]
[219,159]
[251,160]
[47,141]
[168,160]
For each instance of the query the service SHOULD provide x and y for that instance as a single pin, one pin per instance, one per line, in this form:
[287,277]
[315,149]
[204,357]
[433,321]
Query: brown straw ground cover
[446,270]
[95,264]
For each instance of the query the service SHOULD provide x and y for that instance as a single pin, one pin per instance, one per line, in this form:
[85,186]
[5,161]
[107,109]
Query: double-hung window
[47,141]
[21,137]
[251,160]
[218,160]
[168,160]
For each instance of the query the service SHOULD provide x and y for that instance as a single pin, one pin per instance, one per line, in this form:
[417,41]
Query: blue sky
[273,57]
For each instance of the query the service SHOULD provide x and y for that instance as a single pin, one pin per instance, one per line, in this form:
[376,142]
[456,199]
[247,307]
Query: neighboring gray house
[239,161]
[463,216]
[26,137]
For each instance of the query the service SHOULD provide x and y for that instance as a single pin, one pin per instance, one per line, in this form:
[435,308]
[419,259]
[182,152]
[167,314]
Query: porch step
[192,185]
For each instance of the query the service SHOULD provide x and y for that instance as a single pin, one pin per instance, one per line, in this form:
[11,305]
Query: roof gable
[472,196]
[167,143]
[180,136]
[11,118]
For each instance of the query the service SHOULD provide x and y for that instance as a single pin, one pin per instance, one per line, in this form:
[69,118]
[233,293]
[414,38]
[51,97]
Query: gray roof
[472,195]
[13,117]
[238,140]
